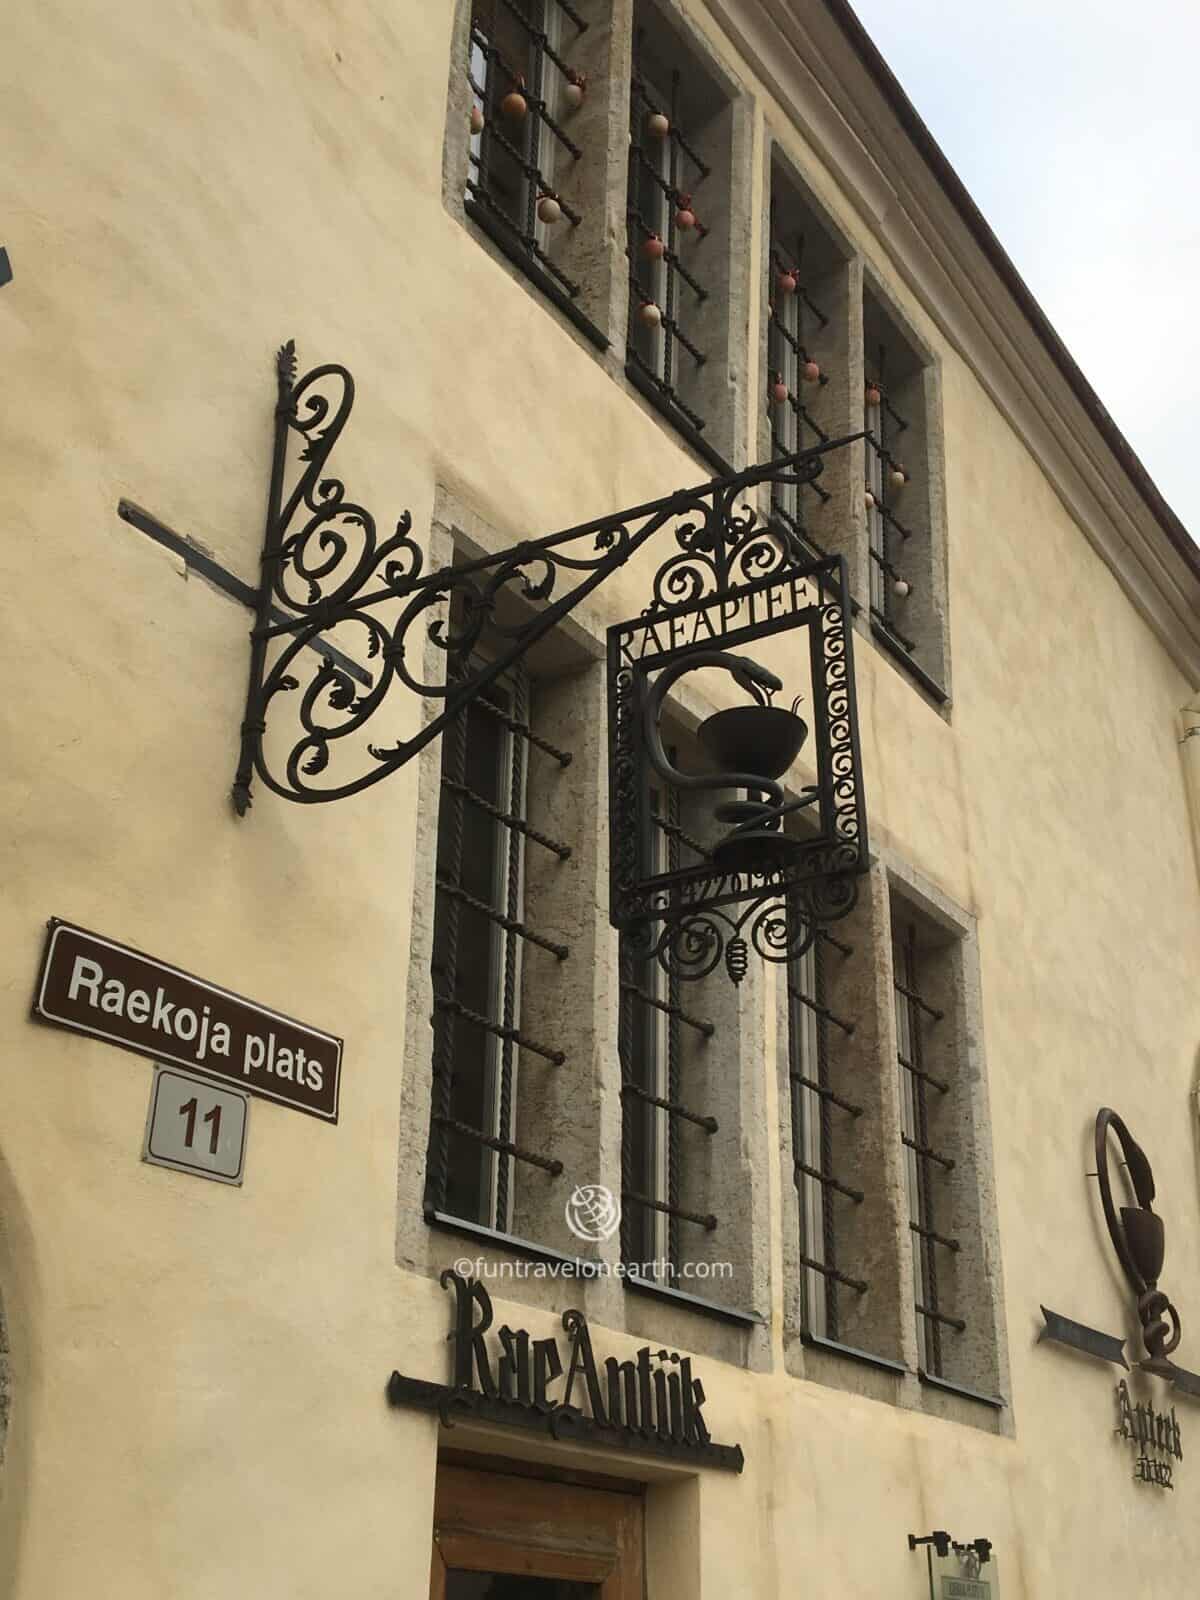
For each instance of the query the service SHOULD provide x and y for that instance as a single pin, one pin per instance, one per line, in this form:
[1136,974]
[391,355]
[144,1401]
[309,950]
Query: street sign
[195,1127]
[97,987]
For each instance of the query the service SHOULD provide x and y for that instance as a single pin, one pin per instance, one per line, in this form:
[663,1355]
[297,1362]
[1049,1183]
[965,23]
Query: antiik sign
[95,986]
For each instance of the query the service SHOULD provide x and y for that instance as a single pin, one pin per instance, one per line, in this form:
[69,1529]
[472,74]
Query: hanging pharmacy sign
[95,986]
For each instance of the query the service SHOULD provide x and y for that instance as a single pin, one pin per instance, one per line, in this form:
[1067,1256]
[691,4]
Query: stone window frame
[581,252]
[576,1115]
[712,1071]
[840,526]
[720,323]
[925,563]
[594,252]
[841,349]
[485,939]
[878,1352]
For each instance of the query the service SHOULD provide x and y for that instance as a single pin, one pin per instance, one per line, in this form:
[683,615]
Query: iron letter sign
[95,986]
[1154,1434]
[651,1405]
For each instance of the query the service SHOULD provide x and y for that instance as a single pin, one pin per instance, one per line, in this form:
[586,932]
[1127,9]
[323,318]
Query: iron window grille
[516,48]
[480,929]
[926,1168]
[888,537]
[663,172]
[652,1021]
[792,319]
[816,1040]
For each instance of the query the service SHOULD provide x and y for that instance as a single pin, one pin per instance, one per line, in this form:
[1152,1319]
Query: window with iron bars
[665,236]
[823,1117]
[481,936]
[794,324]
[887,477]
[524,91]
[664,1038]
[904,502]
[927,1167]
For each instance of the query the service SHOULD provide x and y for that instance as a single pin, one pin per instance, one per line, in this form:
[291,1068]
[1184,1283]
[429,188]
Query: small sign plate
[965,1589]
[195,1127]
[961,1575]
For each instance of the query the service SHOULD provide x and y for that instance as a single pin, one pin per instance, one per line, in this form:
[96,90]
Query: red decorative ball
[811,372]
[574,90]
[476,120]
[685,217]
[513,105]
[658,125]
[779,391]
[786,283]
[873,395]
[654,248]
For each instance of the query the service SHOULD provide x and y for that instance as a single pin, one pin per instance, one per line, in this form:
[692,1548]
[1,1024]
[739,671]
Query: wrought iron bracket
[330,583]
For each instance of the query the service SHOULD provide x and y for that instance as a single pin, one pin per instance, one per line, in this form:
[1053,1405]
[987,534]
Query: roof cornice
[819,62]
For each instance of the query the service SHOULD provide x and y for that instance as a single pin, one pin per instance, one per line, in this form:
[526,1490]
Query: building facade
[832,1218]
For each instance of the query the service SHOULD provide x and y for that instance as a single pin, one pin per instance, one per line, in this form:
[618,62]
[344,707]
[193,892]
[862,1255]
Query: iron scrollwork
[326,569]
[369,611]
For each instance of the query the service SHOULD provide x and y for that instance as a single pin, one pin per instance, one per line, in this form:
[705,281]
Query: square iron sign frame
[837,850]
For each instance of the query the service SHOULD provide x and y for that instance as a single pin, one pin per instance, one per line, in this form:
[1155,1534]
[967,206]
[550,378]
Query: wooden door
[500,1536]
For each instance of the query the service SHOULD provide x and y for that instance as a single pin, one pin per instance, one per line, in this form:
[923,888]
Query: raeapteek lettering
[1156,1435]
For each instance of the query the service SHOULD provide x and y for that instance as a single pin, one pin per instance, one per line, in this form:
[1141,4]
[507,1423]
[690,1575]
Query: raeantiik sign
[652,1404]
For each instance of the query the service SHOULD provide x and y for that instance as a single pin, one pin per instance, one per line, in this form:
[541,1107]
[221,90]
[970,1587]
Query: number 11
[188,1110]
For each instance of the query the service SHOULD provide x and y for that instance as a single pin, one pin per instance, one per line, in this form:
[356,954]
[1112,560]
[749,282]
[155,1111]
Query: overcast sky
[1075,124]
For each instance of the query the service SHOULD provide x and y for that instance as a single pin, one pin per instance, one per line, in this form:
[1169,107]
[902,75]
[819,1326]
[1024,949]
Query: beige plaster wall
[198,1371]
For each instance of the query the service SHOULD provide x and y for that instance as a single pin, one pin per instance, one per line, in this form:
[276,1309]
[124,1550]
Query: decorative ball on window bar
[657,125]
[810,372]
[902,587]
[548,209]
[873,394]
[786,282]
[653,248]
[650,314]
[514,104]
[779,389]
[476,119]
[898,477]
[574,89]
[685,217]
[868,499]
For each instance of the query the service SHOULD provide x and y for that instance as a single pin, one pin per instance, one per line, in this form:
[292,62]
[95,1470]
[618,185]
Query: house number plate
[194,1127]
